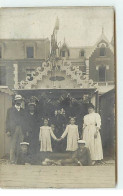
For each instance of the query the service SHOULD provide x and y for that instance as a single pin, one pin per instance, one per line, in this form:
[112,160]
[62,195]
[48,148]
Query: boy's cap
[81,142]
[24,143]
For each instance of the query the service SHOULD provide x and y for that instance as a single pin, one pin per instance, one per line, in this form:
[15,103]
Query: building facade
[96,62]
[28,64]
[19,58]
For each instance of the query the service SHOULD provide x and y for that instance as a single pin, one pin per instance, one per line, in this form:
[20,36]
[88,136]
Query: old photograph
[57,97]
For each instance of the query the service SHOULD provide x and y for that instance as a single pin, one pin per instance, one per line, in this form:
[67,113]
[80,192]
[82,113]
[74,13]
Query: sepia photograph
[58,97]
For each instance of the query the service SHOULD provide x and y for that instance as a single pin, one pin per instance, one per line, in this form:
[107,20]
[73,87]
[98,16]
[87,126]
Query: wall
[108,131]
[96,60]
[14,52]
[5,103]
[16,49]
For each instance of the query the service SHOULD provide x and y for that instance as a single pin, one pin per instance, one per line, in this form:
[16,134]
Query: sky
[81,26]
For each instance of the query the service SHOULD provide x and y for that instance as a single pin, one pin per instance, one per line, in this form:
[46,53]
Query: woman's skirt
[94,144]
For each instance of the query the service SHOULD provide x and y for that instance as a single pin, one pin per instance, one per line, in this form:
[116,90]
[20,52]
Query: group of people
[30,134]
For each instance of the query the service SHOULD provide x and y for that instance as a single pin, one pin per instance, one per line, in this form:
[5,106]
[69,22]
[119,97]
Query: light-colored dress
[45,138]
[72,137]
[91,122]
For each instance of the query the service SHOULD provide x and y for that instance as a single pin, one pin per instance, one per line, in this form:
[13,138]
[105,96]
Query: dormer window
[82,53]
[102,50]
[30,52]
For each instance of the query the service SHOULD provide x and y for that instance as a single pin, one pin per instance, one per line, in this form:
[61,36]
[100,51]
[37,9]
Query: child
[24,157]
[72,135]
[45,137]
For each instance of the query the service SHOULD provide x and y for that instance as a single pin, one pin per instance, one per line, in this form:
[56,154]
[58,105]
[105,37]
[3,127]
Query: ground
[36,176]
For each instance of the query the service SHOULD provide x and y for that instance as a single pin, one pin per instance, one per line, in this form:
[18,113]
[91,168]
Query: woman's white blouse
[92,119]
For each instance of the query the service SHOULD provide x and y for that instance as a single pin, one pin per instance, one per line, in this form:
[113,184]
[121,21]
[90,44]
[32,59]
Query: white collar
[18,107]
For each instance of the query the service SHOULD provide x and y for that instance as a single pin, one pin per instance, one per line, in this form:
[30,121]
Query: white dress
[72,137]
[45,138]
[91,122]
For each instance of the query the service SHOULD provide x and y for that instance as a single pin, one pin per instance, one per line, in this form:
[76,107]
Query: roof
[89,49]
[5,89]
[107,93]
[26,39]
[103,37]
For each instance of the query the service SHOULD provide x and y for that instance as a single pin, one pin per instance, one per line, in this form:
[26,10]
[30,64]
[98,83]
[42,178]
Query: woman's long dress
[33,128]
[72,137]
[91,122]
[45,138]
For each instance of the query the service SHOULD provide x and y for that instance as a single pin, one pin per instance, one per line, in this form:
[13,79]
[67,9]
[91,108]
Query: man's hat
[24,143]
[18,97]
[81,142]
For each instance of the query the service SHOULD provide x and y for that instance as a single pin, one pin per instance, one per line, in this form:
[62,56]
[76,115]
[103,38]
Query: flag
[57,24]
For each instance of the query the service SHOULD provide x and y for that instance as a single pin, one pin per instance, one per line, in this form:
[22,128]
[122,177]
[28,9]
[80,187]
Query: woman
[91,134]
[32,126]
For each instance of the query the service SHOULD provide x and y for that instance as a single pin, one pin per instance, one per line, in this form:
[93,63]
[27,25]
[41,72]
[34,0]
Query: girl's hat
[72,117]
[45,119]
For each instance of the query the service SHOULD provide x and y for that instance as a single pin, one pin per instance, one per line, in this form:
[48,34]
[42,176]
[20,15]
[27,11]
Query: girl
[72,135]
[45,137]
[91,134]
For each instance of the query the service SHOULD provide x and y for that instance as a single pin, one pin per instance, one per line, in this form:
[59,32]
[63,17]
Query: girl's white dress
[91,122]
[72,137]
[45,138]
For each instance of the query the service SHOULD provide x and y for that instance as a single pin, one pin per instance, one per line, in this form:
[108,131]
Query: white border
[118,4]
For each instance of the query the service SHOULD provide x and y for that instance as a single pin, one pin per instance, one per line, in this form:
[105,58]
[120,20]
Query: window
[63,53]
[30,52]
[2,76]
[82,53]
[102,73]
[0,52]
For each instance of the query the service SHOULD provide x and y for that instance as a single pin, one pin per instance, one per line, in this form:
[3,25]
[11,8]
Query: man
[81,156]
[15,127]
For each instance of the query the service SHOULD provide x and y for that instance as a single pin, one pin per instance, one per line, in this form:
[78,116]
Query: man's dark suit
[15,125]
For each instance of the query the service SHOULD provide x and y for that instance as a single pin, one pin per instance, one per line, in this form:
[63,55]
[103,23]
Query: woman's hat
[90,105]
[81,142]
[31,103]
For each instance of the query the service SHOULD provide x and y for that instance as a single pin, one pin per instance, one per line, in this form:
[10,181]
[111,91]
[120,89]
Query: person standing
[72,134]
[91,134]
[32,127]
[15,127]
[59,123]
[45,137]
